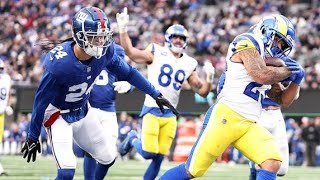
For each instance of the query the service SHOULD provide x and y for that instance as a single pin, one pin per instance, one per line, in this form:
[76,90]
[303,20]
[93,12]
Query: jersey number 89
[164,78]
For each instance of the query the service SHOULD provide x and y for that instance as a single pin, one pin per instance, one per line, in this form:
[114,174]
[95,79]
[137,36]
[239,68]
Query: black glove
[30,149]
[161,101]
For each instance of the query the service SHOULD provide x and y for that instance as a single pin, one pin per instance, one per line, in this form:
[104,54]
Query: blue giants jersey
[67,82]
[102,95]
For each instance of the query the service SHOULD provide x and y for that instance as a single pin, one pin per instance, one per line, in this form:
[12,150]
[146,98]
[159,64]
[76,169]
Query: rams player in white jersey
[168,67]
[5,85]
[232,120]
[282,94]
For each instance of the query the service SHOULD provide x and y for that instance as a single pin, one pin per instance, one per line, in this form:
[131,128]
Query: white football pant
[96,134]
[273,121]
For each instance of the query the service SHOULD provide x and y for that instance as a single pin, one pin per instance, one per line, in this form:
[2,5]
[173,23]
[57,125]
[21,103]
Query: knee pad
[112,163]
[65,174]
[106,156]
[282,171]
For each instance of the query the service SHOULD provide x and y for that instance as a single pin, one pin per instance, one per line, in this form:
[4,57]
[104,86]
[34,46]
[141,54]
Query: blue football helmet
[278,35]
[91,31]
[176,30]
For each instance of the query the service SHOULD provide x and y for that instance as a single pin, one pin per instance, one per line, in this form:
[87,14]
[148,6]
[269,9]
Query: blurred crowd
[303,136]
[211,27]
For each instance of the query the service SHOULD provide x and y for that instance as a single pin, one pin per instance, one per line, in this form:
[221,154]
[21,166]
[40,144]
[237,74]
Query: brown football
[274,61]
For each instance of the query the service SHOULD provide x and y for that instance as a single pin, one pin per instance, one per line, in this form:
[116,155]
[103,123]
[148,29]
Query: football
[274,61]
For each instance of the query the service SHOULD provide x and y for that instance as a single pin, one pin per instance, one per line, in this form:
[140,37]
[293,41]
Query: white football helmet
[176,30]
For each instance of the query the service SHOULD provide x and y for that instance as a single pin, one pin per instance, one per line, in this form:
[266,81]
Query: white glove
[9,110]
[123,20]
[209,69]
[121,87]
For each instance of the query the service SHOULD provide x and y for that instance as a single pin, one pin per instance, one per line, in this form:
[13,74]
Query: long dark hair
[48,44]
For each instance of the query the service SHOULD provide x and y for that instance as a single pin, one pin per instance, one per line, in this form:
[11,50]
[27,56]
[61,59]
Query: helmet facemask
[95,44]
[178,49]
[176,31]
[278,45]
[278,35]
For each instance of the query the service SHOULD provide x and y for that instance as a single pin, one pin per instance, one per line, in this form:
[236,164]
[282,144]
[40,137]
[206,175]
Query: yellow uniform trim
[158,133]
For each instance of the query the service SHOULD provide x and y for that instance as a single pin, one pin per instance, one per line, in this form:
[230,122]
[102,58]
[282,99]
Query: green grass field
[44,169]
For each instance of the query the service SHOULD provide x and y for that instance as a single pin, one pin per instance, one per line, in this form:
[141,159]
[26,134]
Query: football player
[281,94]
[168,67]
[61,100]
[102,101]
[242,87]
[5,85]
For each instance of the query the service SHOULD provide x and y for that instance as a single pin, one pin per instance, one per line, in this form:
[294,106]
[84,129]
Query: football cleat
[126,145]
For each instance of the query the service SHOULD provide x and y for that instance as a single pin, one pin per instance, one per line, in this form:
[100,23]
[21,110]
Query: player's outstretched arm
[257,69]
[161,101]
[136,55]
[125,72]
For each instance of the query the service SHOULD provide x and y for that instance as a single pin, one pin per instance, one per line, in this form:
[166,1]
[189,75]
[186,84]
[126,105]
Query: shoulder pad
[247,41]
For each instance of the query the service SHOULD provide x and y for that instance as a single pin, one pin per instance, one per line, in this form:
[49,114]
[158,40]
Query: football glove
[296,69]
[161,101]
[123,20]
[298,77]
[291,64]
[122,87]
[209,70]
[9,110]
[30,149]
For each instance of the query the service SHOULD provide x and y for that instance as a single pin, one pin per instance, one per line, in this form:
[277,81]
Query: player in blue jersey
[232,120]
[61,100]
[102,101]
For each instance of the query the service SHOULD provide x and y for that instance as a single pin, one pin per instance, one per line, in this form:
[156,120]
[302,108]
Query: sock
[65,174]
[102,170]
[136,143]
[177,173]
[253,174]
[154,168]
[89,167]
[265,175]
[253,171]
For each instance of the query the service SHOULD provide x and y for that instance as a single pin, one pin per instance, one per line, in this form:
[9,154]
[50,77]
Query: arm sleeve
[125,72]
[45,94]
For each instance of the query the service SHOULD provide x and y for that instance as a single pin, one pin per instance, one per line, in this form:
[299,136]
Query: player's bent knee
[271,165]
[106,157]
